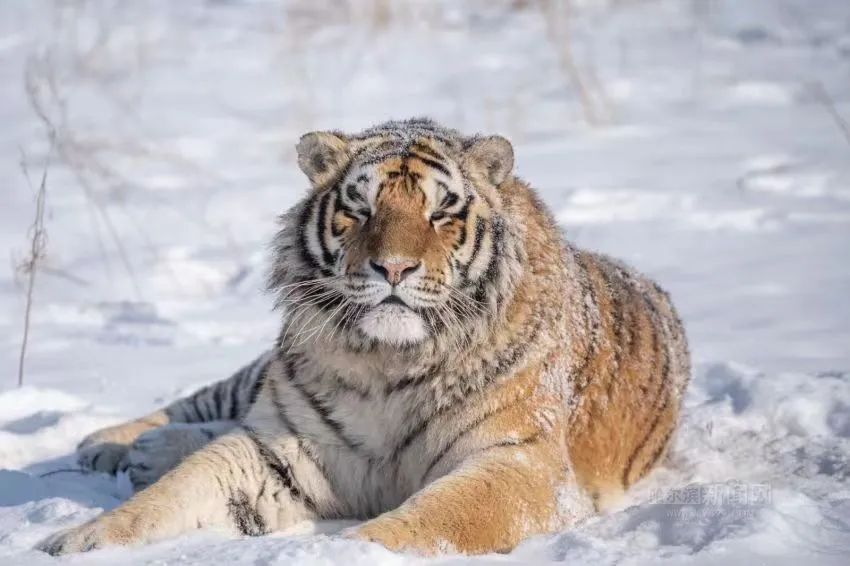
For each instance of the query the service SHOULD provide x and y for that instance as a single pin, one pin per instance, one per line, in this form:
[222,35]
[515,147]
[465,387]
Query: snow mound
[760,466]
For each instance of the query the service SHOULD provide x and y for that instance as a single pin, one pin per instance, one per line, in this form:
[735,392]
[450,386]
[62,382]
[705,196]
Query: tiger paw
[393,533]
[90,536]
[105,450]
[106,457]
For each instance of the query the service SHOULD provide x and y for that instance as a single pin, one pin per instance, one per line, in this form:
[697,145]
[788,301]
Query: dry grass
[38,243]
[558,15]
[823,97]
[90,49]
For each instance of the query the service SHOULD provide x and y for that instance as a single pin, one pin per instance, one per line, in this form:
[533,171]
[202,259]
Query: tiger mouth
[394,300]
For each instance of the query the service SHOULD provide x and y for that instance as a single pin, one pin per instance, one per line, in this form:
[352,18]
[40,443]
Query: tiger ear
[322,155]
[493,155]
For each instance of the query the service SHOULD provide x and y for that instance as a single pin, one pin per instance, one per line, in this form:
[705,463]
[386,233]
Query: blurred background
[701,140]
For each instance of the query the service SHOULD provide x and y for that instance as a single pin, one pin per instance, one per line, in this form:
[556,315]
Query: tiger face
[400,238]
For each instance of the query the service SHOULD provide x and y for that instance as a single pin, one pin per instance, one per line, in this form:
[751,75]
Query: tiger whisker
[302,329]
[302,309]
[329,318]
[309,281]
[342,318]
[313,295]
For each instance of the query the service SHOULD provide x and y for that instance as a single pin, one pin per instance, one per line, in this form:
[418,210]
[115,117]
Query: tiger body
[449,369]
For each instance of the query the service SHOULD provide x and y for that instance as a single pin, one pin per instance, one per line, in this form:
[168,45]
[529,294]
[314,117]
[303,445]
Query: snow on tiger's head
[402,238]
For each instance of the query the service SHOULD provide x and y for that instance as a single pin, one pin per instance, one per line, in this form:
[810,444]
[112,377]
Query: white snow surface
[719,168]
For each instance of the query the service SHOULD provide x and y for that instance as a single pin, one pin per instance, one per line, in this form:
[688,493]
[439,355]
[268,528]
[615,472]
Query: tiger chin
[450,371]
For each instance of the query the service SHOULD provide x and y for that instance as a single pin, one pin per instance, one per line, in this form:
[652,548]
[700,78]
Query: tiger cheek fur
[449,369]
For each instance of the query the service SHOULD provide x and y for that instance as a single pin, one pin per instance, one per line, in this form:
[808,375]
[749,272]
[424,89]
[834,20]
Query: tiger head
[403,238]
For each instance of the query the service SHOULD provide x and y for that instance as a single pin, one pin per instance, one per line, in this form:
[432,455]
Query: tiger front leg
[488,503]
[229,485]
[107,450]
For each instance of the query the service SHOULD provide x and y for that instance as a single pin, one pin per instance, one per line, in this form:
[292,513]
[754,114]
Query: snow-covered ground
[718,166]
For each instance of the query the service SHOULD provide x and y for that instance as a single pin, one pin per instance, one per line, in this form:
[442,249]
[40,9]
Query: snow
[719,170]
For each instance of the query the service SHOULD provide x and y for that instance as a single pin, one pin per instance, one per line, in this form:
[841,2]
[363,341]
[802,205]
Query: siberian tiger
[449,370]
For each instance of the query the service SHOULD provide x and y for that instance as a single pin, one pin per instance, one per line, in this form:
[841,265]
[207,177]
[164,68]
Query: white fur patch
[393,324]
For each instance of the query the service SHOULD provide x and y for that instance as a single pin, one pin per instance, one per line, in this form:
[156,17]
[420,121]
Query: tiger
[451,373]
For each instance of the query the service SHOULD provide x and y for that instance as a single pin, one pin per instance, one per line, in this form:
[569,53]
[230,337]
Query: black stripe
[659,348]
[655,422]
[411,380]
[381,186]
[353,194]
[491,272]
[496,244]
[480,228]
[449,200]
[656,454]
[340,207]
[462,215]
[218,391]
[403,384]
[235,388]
[282,470]
[433,164]
[422,148]
[246,518]
[380,158]
[306,255]
[579,377]
[196,406]
[588,298]
[321,409]
[412,434]
[280,409]
[208,403]
[257,386]
[188,412]
[451,443]
[284,419]
[510,359]
[502,365]
[618,324]
[516,441]
[344,385]
[321,226]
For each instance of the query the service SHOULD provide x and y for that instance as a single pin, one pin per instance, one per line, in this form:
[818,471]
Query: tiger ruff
[449,369]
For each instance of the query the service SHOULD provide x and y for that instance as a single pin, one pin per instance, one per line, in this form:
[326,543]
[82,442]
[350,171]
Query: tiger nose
[394,271]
